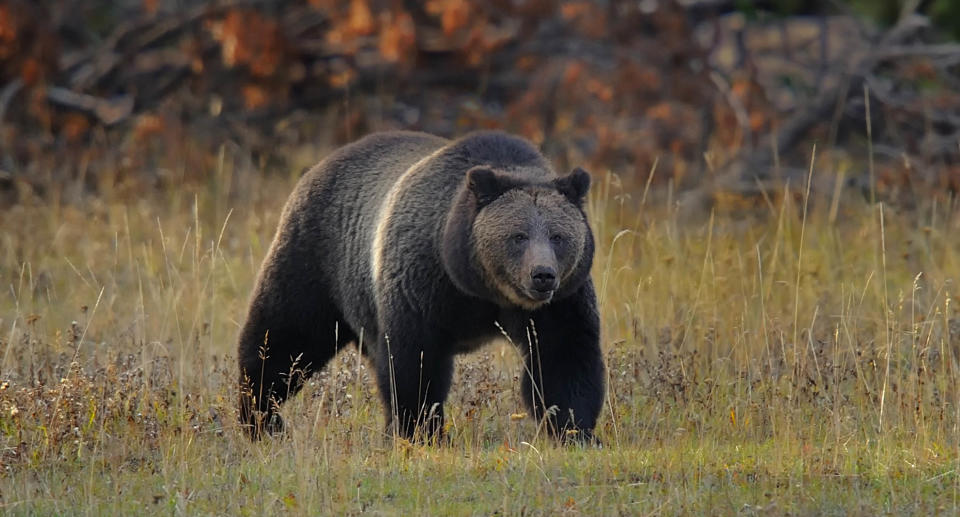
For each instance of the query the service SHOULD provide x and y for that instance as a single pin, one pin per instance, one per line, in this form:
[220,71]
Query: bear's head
[516,242]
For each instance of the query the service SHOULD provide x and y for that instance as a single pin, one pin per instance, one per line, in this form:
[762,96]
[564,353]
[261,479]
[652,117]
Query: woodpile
[714,99]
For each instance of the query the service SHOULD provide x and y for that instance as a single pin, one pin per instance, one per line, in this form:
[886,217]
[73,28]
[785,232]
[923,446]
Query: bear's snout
[544,278]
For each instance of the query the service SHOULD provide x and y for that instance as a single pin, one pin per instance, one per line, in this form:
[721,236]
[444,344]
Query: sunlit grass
[744,376]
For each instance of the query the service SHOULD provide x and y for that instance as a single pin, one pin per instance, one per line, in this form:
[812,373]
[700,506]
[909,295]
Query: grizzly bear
[428,248]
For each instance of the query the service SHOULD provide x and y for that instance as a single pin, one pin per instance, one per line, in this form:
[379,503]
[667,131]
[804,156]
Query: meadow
[800,359]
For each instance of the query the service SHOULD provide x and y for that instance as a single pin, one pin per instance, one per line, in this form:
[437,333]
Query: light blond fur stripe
[386,211]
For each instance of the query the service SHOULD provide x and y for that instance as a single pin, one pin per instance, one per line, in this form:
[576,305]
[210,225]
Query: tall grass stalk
[754,365]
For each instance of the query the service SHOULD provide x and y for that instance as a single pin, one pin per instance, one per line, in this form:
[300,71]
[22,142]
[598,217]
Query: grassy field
[774,364]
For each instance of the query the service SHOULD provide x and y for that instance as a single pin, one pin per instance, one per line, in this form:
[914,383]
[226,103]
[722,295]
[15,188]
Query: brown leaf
[453,14]
[8,32]
[360,19]
[342,78]
[572,73]
[147,126]
[326,5]
[600,89]
[397,36]
[254,96]
[150,6]
[31,71]
[74,127]
[248,38]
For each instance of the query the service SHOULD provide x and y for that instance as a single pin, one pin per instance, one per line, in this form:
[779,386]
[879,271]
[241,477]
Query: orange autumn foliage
[247,38]
[360,19]
[453,14]
[397,36]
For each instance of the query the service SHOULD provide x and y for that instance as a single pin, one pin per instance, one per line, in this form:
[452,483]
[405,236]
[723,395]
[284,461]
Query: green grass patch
[769,364]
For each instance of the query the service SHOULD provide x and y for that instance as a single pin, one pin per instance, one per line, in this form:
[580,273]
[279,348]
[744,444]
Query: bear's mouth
[539,295]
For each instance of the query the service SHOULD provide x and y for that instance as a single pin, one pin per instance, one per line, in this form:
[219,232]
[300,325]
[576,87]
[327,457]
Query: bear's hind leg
[280,348]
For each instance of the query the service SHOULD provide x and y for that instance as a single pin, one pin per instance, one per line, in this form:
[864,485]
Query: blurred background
[714,103]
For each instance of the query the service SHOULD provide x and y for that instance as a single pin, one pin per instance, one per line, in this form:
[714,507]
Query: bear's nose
[544,278]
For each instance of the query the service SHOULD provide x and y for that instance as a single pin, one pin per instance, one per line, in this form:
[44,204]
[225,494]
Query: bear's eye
[519,238]
[556,238]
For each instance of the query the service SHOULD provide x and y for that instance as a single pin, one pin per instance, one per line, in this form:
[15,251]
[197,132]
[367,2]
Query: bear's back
[339,201]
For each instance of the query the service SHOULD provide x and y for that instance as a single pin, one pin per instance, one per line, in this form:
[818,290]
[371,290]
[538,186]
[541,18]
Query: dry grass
[776,364]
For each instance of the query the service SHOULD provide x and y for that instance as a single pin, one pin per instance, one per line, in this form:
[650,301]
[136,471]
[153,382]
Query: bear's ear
[487,185]
[574,185]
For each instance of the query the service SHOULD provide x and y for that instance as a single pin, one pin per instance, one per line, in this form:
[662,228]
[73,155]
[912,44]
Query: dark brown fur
[423,246]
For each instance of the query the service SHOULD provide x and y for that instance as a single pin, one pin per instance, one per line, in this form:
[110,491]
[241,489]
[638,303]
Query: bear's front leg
[564,372]
[413,376]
